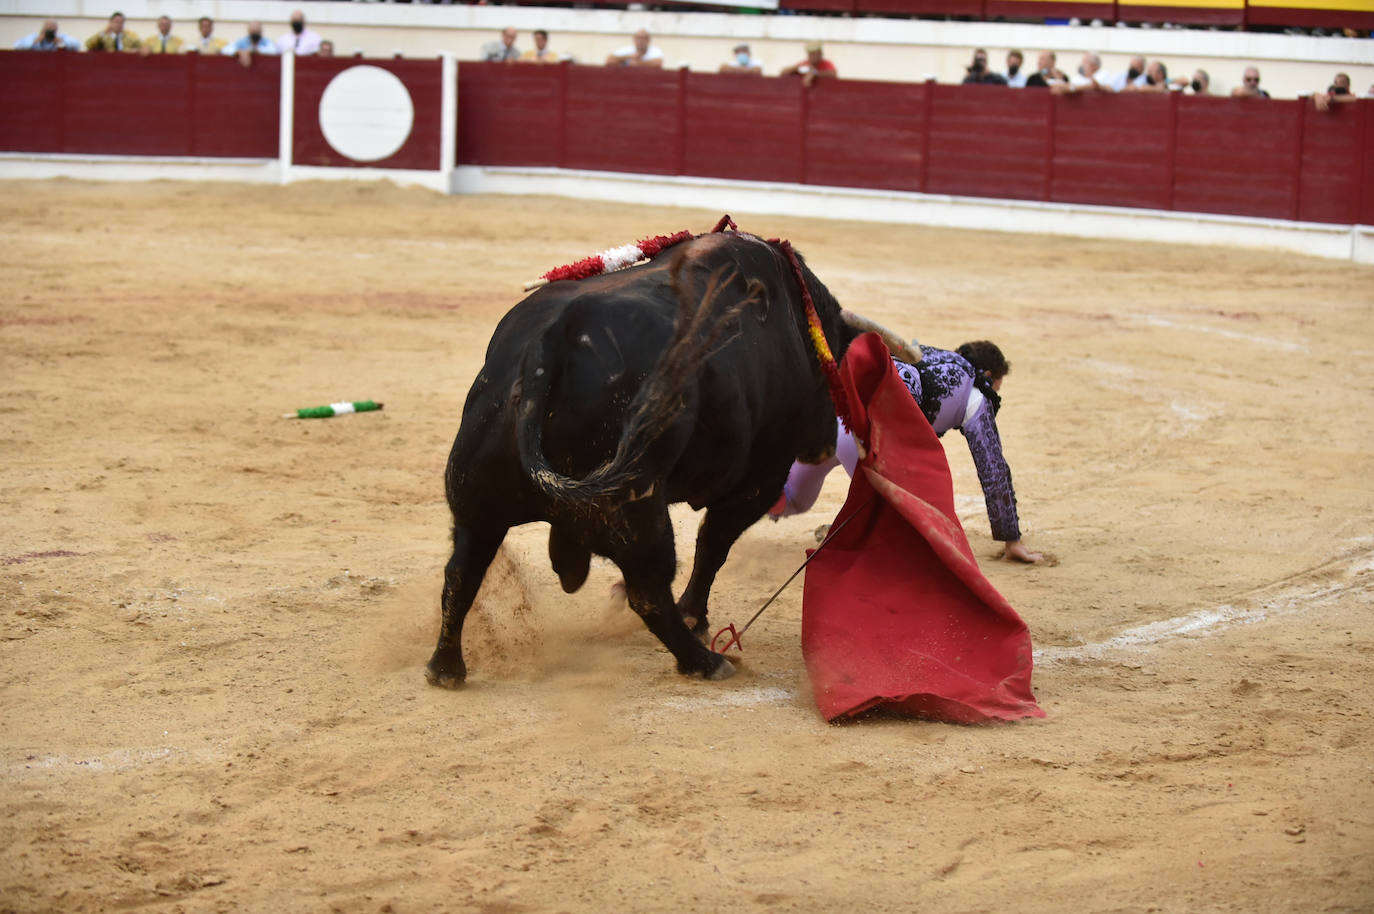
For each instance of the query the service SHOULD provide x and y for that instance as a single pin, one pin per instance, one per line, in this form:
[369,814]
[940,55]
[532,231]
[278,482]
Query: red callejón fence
[1244,157]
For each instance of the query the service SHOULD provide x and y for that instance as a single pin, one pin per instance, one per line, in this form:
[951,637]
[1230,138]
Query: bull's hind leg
[722,525]
[462,577]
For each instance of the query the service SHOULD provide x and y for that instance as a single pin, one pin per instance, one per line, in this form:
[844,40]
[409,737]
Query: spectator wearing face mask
[1016,72]
[252,44]
[1134,75]
[300,40]
[1156,79]
[1199,83]
[978,73]
[742,62]
[49,38]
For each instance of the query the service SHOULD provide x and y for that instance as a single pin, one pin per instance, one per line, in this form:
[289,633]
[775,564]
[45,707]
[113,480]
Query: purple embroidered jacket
[943,387]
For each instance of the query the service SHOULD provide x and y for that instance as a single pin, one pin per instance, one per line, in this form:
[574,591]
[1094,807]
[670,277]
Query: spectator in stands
[1047,74]
[1089,77]
[1016,76]
[541,52]
[1156,79]
[501,51]
[978,72]
[1249,87]
[114,37]
[1338,93]
[326,49]
[207,43]
[300,40]
[164,42]
[1200,83]
[1134,75]
[742,62]
[641,53]
[49,38]
[251,44]
[814,67]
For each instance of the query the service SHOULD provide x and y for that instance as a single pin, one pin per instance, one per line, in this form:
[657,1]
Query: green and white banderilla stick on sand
[333,409]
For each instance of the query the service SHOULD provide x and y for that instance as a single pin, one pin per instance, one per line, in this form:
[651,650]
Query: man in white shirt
[1089,77]
[300,40]
[639,54]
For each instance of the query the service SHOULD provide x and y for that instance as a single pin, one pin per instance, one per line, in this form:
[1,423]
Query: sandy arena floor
[213,621]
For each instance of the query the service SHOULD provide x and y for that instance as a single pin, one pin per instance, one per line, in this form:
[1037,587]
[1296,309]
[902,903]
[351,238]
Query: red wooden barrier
[866,134]
[743,127]
[621,119]
[509,114]
[1332,163]
[236,111]
[990,141]
[1245,157]
[32,105]
[421,79]
[1238,156]
[1113,149]
[123,104]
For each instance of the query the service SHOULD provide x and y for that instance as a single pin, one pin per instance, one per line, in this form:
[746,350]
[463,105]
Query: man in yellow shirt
[163,41]
[207,43]
[114,38]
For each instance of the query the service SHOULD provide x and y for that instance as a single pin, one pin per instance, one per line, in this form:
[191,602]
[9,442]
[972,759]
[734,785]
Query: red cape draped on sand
[896,614]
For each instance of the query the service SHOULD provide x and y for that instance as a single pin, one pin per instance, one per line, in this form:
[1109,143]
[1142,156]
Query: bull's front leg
[462,578]
[648,586]
[720,528]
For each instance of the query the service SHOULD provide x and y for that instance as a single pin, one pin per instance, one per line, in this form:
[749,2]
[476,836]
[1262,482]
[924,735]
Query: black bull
[603,401]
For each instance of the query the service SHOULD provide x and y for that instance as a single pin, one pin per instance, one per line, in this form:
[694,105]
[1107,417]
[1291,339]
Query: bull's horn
[907,352]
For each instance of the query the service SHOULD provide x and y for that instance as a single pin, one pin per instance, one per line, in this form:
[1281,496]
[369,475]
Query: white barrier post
[448,121]
[287,110]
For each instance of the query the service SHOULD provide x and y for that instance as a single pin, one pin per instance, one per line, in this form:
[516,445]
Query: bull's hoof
[723,669]
[446,675]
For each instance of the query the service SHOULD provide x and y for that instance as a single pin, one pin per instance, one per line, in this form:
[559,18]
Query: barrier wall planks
[32,105]
[510,115]
[236,108]
[1114,150]
[743,127]
[867,134]
[1238,156]
[621,119]
[990,141]
[1243,157]
[1331,164]
[123,104]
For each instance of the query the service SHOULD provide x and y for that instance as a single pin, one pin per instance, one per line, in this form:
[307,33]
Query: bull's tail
[699,330]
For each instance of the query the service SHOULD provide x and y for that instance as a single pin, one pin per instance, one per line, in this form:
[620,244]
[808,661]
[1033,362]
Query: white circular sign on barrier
[366,113]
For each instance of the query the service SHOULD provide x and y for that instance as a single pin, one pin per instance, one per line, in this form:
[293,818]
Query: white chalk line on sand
[112,761]
[1156,321]
[1203,622]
